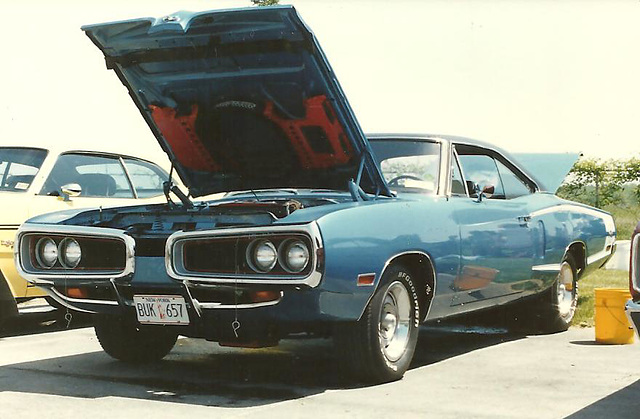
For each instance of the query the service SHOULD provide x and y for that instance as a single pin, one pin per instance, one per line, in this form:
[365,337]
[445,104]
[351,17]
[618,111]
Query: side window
[457,183]
[147,178]
[98,176]
[513,185]
[482,169]
[18,167]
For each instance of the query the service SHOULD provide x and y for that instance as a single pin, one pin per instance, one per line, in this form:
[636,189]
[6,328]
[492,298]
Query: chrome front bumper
[632,310]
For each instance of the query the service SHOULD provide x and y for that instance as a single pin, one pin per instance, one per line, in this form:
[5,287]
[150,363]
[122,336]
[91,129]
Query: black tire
[561,310]
[367,353]
[547,312]
[125,341]
[8,305]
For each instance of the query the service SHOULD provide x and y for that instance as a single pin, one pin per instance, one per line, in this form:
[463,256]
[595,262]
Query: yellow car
[34,181]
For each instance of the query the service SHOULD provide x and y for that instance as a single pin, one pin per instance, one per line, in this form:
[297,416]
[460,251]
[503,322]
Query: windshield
[18,167]
[408,165]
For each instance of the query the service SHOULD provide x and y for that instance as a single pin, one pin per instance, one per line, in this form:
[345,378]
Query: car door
[496,239]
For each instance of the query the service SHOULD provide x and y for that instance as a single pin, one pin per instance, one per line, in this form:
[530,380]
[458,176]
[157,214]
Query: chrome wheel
[380,345]
[395,321]
[567,292]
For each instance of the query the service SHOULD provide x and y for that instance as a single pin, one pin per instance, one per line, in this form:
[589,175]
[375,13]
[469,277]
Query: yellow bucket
[612,325]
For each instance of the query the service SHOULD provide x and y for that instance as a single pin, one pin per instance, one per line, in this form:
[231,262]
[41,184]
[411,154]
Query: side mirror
[70,190]
[486,191]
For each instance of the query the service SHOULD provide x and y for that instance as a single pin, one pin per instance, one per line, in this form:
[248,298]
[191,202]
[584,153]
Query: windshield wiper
[254,192]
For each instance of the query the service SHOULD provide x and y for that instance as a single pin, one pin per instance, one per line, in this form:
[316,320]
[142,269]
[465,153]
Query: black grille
[150,247]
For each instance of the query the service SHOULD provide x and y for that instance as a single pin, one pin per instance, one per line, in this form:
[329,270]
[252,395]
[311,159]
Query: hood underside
[240,99]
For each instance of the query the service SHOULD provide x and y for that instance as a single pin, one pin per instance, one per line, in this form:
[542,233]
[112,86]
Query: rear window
[19,166]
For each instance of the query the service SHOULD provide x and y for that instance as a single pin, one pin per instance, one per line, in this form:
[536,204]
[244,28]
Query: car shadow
[44,322]
[622,404]
[203,373]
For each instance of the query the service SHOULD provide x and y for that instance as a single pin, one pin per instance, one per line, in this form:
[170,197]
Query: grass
[586,299]
[626,218]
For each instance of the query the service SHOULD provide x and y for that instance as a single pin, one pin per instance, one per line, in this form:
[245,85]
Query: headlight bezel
[122,245]
[181,246]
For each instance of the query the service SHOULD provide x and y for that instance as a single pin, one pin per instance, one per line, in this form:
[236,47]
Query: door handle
[524,220]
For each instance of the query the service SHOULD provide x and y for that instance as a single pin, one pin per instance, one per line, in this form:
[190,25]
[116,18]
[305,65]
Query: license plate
[161,309]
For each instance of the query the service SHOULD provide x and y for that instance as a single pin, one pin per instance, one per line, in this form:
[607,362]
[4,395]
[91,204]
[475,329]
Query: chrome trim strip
[550,267]
[555,267]
[72,300]
[569,207]
[175,271]
[64,302]
[386,265]
[444,174]
[209,306]
[35,276]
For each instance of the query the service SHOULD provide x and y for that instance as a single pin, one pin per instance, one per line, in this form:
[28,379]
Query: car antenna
[168,186]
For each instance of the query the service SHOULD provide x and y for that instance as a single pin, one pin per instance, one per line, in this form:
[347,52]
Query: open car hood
[240,99]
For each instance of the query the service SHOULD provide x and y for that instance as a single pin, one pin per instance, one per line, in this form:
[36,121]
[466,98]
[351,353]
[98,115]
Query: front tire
[8,305]
[125,341]
[379,347]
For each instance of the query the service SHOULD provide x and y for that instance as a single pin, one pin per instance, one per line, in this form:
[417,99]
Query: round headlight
[46,252]
[262,256]
[294,256]
[69,253]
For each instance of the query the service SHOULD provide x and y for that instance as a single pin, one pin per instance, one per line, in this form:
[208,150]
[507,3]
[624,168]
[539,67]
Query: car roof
[57,150]
[436,137]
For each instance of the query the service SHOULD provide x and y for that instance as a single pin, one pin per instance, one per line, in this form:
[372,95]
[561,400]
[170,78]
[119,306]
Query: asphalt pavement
[457,372]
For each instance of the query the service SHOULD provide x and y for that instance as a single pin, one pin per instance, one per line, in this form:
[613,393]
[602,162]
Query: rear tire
[562,298]
[379,347]
[125,341]
[553,310]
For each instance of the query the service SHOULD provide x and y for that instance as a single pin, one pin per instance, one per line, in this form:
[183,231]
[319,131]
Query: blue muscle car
[321,230]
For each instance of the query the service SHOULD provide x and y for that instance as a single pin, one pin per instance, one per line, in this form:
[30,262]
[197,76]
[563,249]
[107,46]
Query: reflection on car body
[36,180]
[322,231]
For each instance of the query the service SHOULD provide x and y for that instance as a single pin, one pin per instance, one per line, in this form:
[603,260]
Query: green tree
[265,2]
[595,182]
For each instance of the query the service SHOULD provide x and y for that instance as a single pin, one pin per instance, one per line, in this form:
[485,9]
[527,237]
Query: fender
[432,283]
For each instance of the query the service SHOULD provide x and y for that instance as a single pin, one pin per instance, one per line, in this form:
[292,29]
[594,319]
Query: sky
[528,76]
